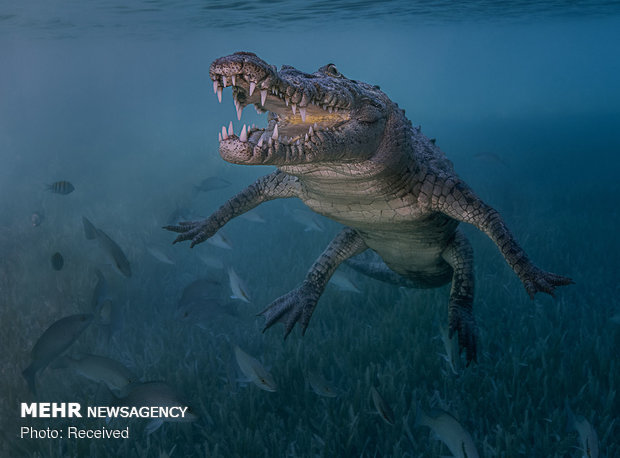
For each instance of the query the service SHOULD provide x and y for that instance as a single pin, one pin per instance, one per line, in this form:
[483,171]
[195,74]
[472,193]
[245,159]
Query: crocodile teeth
[287,100]
[252,87]
[330,109]
[239,110]
[302,112]
[260,141]
[215,86]
[263,96]
[219,136]
[306,138]
[244,134]
[230,129]
[219,94]
[224,134]
[223,81]
[294,107]
[275,133]
[311,130]
[234,80]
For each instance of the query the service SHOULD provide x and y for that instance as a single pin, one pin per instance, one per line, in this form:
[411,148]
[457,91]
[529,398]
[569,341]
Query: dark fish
[57,261]
[200,292]
[61,187]
[109,246]
[53,342]
[495,158]
[36,219]
[212,183]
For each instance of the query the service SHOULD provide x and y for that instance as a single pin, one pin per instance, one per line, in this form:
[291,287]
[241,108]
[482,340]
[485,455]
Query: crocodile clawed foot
[463,323]
[297,305]
[196,231]
[536,280]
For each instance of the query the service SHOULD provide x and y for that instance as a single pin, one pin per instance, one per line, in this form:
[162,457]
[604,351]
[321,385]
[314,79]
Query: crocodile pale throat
[350,153]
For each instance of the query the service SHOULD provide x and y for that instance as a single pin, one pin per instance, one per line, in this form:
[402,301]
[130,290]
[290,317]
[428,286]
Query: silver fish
[211,261]
[212,183]
[99,369]
[237,287]
[61,187]
[53,342]
[342,282]
[587,435]
[451,348]
[219,240]
[109,246]
[109,318]
[320,386]
[307,219]
[384,410]
[450,431]
[159,255]
[254,371]
[100,293]
[253,216]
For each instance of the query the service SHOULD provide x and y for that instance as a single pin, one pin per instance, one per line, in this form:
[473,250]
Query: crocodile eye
[332,70]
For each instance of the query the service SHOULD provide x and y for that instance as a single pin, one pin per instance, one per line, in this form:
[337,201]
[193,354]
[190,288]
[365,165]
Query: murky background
[116,100]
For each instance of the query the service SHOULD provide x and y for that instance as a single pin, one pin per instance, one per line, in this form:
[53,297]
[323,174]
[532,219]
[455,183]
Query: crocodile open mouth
[301,116]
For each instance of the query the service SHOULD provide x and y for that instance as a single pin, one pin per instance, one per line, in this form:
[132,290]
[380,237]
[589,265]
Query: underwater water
[116,100]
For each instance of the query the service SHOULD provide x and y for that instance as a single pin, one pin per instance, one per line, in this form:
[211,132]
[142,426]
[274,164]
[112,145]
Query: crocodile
[349,153]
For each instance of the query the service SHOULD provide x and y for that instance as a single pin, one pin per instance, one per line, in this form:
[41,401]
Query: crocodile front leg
[276,185]
[460,315]
[455,199]
[299,304]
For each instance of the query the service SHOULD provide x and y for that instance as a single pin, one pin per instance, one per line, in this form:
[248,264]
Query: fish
[587,435]
[342,282]
[202,298]
[211,184]
[252,216]
[384,410]
[219,240]
[57,338]
[99,369]
[211,261]
[36,219]
[449,431]
[491,157]
[307,219]
[180,214]
[57,261]
[254,371]
[156,394]
[451,348]
[109,246]
[239,291]
[100,293]
[61,187]
[109,318]
[320,386]
[159,255]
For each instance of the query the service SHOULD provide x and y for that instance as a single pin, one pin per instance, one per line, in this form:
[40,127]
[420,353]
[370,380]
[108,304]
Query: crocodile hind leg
[459,255]
[299,304]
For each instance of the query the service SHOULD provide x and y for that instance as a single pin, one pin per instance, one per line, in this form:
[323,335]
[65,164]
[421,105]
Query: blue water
[523,98]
